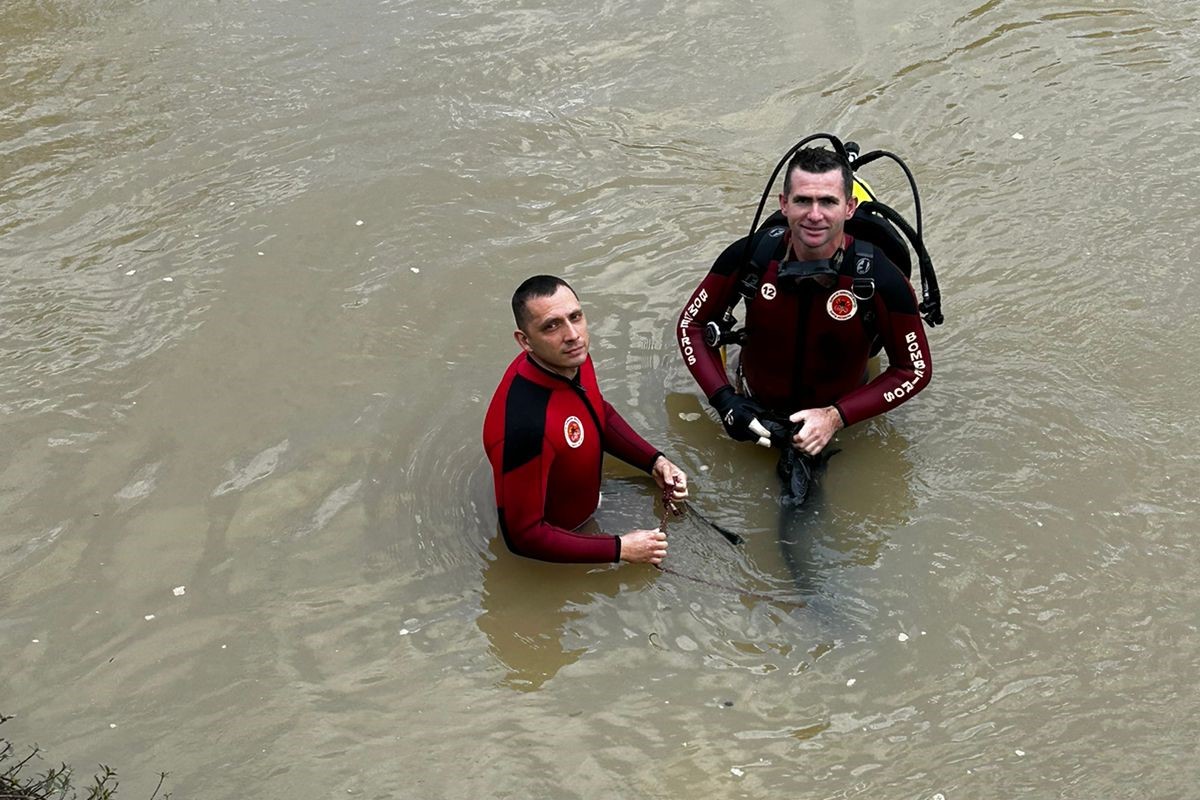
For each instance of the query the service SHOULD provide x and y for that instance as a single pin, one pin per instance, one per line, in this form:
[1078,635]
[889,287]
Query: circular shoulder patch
[573,431]
[842,305]
[767,291]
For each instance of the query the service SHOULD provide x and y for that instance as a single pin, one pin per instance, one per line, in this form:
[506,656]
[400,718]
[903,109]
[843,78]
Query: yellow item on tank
[862,190]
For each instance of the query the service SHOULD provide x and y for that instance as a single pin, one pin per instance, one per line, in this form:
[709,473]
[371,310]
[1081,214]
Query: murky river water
[256,266]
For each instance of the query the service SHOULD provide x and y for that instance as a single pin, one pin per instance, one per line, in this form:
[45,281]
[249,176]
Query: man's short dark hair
[537,286]
[818,160]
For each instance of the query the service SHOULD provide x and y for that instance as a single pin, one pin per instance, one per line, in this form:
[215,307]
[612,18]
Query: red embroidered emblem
[573,431]
[842,305]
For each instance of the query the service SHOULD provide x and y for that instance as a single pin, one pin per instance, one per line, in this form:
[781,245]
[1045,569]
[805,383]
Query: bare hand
[644,547]
[665,473]
[819,426]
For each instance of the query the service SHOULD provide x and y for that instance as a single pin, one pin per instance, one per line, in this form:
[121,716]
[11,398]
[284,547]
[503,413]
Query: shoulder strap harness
[768,243]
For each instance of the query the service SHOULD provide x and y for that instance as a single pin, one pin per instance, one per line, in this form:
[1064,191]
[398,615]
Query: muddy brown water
[256,267]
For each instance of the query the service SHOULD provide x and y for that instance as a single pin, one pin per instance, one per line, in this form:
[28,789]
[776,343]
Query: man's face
[555,332]
[816,209]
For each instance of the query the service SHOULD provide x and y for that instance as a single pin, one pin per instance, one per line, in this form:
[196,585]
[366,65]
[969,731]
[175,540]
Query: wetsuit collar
[574,381]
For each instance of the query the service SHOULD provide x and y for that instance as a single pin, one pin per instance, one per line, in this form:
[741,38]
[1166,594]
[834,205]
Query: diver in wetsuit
[811,325]
[823,293]
[547,430]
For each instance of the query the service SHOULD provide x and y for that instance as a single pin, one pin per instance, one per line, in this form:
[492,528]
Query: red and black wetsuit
[801,350]
[545,437]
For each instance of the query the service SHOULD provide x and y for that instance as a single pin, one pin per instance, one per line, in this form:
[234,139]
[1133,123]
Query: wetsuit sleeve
[622,441]
[521,464]
[707,304]
[909,365]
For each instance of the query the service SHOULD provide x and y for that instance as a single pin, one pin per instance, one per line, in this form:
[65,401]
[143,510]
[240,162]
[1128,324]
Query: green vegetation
[19,779]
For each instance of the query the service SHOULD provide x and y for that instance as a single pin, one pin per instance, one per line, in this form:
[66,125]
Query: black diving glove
[742,417]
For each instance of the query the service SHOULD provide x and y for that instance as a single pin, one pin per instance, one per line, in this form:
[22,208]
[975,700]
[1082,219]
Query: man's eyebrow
[559,317]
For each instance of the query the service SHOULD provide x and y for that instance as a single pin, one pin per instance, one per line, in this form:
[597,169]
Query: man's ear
[851,204]
[522,340]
